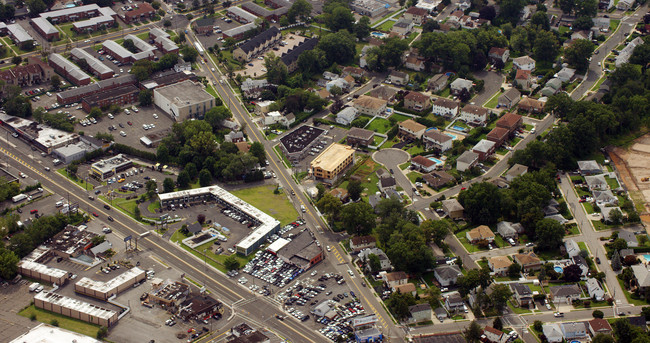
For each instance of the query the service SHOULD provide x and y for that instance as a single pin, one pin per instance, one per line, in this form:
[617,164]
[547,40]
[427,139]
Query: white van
[34,286]
[303,209]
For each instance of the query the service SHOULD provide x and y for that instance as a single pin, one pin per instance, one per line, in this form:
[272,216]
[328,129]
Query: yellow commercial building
[332,162]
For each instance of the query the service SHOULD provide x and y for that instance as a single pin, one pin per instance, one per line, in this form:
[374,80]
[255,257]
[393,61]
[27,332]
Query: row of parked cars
[338,328]
[238,216]
[272,269]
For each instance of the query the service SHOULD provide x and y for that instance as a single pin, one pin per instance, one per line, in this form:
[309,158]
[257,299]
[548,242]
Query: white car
[155,116]
[122,133]
[110,116]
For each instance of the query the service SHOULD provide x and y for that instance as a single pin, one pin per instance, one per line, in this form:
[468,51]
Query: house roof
[438,78]
[499,262]
[477,110]
[523,74]
[437,136]
[467,157]
[461,83]
[399,74]
[552,331]
[521,289]
[483,146]
[412,125]
[360,133]
[293,54]
[498,133]
[497,51]
[511,94]
[417,97]
[531,103]
[493,331]
[604,196]
[423,161]
[595,180]
[509,119]
[452,205]
[387,182]
[340,193]
[383,92]
[527,258]
[405,288]
[628,236]
[447,272]
[437,178]
[565,290]
[523,60]
[639,321]
[599,324]
[517,170]
[369,102]
[446,103]
[260,39]
[417,11]
[481,232]
[396,276]
[419,307]
[573,327]
[363,240]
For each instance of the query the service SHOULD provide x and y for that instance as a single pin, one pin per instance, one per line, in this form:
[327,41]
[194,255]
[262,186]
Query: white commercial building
[183,100]
[45,333]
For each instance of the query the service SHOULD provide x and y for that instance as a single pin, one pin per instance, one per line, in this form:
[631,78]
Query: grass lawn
[78,181]
[613,184]
[414,150]
[517,310]
[153,206]
[598,225]
[463,240]
[588,207]
[377,140]
[389,143]
[379,125]
[67,323]
[413,176]
[404,165]
[493,102]
[613,24]
[628,295]
[400,117]
[281,155]
[386,26]
[563,29]
[411,37]
[211,90]
[275,205]
[582,246]
[598,83]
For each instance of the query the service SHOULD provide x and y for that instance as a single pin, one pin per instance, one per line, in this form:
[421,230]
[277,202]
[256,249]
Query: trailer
[19,198]
[199,48]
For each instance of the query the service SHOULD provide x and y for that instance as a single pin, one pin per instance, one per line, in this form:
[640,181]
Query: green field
[275,205]
[387,25]
[64,322]
[379,125]
[82,183]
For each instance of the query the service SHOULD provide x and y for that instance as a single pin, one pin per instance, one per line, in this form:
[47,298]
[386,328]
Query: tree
[145,97]
[276,70]
[497,324]
[18,106]
[540,19]
[500,295]
[582,23]
[95,112]
[618,244]
[36,6]
[136,213]
[183,179]
[189,53]
[168,185]
[473,332]
[615,217]
[538,325]
[399,303]
[572,273]
[362,28]
[16,60]
[354,189]
[340,18]
[603,338]
[482,203]
[129,45]
[430,25]
[510,10]
[216,115]
[514,270]
[616,261]
[487,12]
[55,81]
[578,53]
[358,218]
[435,230]
[205,178]
[257,150]
[549,234]
[8,264]
[546,46]
[167,23]
[200,218]
[374,263]
[300,8]
[102,332]
[598,314]
[231,263]
[330,206]
[339,47]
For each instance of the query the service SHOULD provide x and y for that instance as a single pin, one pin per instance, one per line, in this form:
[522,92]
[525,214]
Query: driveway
[493,82]
[391,159]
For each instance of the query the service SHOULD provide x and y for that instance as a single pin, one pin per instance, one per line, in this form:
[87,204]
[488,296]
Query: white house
[347,115]
[445,107]
[459,84]
[553,333]
[572,248]
[466,160]
[473,114]
[434,139]
[524,63]
[595,291]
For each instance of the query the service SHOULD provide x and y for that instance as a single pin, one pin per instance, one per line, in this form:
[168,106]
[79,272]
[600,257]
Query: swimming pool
[458,128]
[647,257]
[453,137]
[435,160]
[558,269]
[379,34]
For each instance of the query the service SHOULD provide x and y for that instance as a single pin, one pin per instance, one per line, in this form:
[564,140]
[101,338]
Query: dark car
[111,218]
[107,207]
[98,191]
[598,260]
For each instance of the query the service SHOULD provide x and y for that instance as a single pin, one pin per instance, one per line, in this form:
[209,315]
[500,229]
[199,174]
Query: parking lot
[256,66]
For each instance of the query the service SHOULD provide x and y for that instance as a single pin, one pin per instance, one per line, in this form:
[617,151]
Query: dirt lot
[257,67]
[633,164]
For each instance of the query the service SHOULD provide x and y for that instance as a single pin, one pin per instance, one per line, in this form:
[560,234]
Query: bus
[199,48]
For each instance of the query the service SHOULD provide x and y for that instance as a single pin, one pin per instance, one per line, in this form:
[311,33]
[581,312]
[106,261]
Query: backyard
[379,125]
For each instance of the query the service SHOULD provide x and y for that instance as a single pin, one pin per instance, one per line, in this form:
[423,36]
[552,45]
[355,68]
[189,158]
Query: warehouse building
[298,142]
[332,162]
[44,333]
[42,272]
[76,309]
[75,95]
[104,290]
[68,70]
[98,68]
[183,100]
[106,168]
[45,28]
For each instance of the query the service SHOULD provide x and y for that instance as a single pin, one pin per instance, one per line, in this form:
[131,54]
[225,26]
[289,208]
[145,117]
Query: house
[360,137]
[605,5]
[423,164]
[346,116]
[528,261]
[515,171]
[474,115]
[455,16]
[437,179]
[354,71]
[434,139]
[599,325]
[596,182]
[384,93]
[522,294]
[480,233]
[531,105]
[437,83]
[398,77]
[414,62]
[582,34]
[453,208]
[440,313]
[257,44]
[498,54]
[454,302]
[626,252]
[581,263]
[498,135]
[402,27]
[358,243]
[406,288]
[340,193]
[572,248]
[410,129]
[509,98]
[629,237]
[492,334]
[386,183]
[594,289]
[417,15]
[625,53]
[565,294]
[395,279]
[574,330]
[327,75]
[508,229]
[420,312]
[566,74]
[510,121]
[624,5]
[340,82]
[553,333]
[589,167]
[445,107]
[484,148]
[601,24]
[370,106]
[499,265]
[523,79]
[447,274]
[604,198]
[416,101]
[466,160]
[460,84]
[384,262]
[523,63]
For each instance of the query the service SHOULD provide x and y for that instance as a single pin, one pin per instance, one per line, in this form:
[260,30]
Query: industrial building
[68,70]
[332,162]
[104,290]
[106,168]
[296,144]
[77,151]
[77,94]
[98,68]
[42,272]
[76,309]
[44,333]
[265,224]
[42,137]
[183,100]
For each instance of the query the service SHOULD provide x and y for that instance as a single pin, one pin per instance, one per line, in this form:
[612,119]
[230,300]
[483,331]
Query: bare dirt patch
[633,166]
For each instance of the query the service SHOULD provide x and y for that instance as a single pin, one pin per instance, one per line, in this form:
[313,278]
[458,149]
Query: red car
[95,214]
[130,123]
[462,189]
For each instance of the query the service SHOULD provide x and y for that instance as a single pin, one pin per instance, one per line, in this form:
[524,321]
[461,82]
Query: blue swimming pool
[647,257]
[435,160]
[458,128]
[454,137]
[558,269]
[379,34]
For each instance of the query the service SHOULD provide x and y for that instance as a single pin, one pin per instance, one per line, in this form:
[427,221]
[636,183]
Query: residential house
[484,148]
[492,334]
[581,263]
[498,135]
[355,72]
[528,261]
[437,83]
[531,105]
[566,74]
[626,252]
[601,24]
[360,137]
[480,233]
[574,330]
[515,171]
[474,115]
[572,248]
[624,5]
[553,333]
[327,75]
[466,160]
[384,262]
[434,139]
[596,292]
[358,243]
[347,115]
[625,53]
[440,313]
[552,86]
[596,182]
[509,98]
[340,82]
[455,16]
[402,27]
[460,84]
[420,312]
[447,274]
[524,79]
[257,44]
[599,325]
[453,208]
[416,15]
[445,107]
[395,279]
[384,92]
[604,198]
[582,34]
[522,294]
[398,78]
[523,63]
[423,164]
[589,167]
[508,229]
[629,237]
[454,302]
[386,182]
[438,179]
[499,265]
[414,62]
[410,129]
[565,294]
[498,54]
[416,101]
[405,289]
[370,106]
[605,5]
[510,121]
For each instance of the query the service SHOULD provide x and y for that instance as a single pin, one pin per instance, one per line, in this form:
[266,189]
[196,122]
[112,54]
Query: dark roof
[194,228]
[293,54]
[419,308]
[300,138]
[520,289]
[446,337]
[99,85]
[168,77]
[360,133]
[580,260]
[253,337]
[638,321]
[387,181]
[110,94]
[259,39]
[204,22]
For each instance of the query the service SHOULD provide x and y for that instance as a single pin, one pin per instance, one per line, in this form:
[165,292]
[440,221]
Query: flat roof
[332,156]
[42,269]
[75,305]
[106,165]
[240,29]
[298,139]
[185,93]
[108,286]
[44,135]
[99,85]
[44,333]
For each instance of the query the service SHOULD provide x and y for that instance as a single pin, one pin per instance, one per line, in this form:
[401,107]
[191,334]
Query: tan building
[370,106]
[183,100]
[332,162]
[76,309]
[499,264]
[480,233]
[410,129]
[104,290]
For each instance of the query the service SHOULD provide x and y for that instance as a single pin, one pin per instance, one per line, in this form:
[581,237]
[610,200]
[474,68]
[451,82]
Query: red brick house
[144,12]
[498,135]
